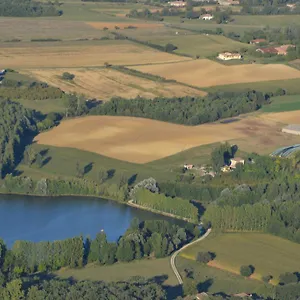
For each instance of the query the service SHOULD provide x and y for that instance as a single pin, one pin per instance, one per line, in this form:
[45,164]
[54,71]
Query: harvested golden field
[107,83]
[76,54]
[206,73]
[142,140]
[121,25]
[287,117]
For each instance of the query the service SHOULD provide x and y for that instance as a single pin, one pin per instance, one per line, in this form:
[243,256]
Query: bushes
[287,278]
[246,271]
[205,257]
[68,76]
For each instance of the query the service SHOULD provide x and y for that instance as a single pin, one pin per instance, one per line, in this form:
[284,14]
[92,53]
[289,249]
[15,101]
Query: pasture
[192,44]
[105,83]
[270,255]
[77,54]
[215,280]
[140,140]
[292,86]
[207,73]
[124,271]
[283,103]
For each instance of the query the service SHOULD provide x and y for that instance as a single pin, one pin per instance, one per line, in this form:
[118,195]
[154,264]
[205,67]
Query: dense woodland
[185,110]
[28,8]
[16,124]
[34,288]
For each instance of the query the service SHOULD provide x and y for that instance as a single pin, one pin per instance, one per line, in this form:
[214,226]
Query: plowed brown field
[143,140]
[205,73]
[107,83]
[61,55]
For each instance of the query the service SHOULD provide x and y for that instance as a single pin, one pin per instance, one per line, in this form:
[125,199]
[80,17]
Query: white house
[206,17]
[235,161]
[229,56]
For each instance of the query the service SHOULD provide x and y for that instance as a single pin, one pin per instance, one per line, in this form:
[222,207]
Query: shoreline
[128,203]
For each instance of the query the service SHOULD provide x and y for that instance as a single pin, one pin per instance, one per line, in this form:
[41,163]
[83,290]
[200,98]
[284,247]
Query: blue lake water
[54,218]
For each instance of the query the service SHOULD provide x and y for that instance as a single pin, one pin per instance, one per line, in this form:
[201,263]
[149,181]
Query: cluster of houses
[204,170]
[280,50]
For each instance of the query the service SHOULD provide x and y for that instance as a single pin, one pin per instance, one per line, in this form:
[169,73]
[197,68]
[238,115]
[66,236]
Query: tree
[125,251]
[170,47]
[204,257]
[287,278]
[102,175]
[29,156]
[220,156]
[189,287]
[79,170]
[68,76]
[13,290]
[39,160]
[246,271]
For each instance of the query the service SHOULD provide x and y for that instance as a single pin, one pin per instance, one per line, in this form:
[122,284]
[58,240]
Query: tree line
[160,202]
[33,288]
[28,8]
[185,110]
[156,238]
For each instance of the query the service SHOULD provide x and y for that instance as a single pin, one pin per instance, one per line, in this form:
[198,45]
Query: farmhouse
[292,129]
[291,6]
[269,50]
[188,166]
[257,41]
[206,17]
[235,161]
[229,56]
[2,72]
[177,3]
[283,50]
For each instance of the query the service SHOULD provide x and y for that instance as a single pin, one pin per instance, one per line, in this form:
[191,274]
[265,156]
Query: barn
[292,129]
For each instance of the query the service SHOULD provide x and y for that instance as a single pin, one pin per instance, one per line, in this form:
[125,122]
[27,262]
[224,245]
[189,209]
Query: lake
[55,218]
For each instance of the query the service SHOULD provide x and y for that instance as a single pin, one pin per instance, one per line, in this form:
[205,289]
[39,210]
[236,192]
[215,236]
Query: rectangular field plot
[207,73]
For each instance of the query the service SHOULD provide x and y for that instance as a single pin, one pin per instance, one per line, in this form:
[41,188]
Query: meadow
[159,268]
[233,250]
[192,44]
[140,140]
[105,83]
[283,103]
[213,280]
[292,86]
[207,73]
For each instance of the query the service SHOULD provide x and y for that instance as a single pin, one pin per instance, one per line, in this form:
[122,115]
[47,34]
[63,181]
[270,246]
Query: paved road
[173,257]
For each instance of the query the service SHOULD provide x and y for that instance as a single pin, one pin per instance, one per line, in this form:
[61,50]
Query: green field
[270,255]
[196,44]
[283,103]
[63,163]
[292,86]
[123,271]
[272,21]
[213,280]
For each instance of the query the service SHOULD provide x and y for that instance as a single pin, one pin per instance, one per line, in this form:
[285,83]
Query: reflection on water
[48,218]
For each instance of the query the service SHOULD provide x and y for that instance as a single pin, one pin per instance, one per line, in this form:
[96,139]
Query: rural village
[150,149]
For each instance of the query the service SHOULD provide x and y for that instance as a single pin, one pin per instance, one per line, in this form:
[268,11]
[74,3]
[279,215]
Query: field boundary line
[173,257]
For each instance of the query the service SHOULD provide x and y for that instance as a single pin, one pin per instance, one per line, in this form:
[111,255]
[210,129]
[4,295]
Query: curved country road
[173,257]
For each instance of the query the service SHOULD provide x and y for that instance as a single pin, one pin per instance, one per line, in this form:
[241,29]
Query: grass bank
[269,255]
